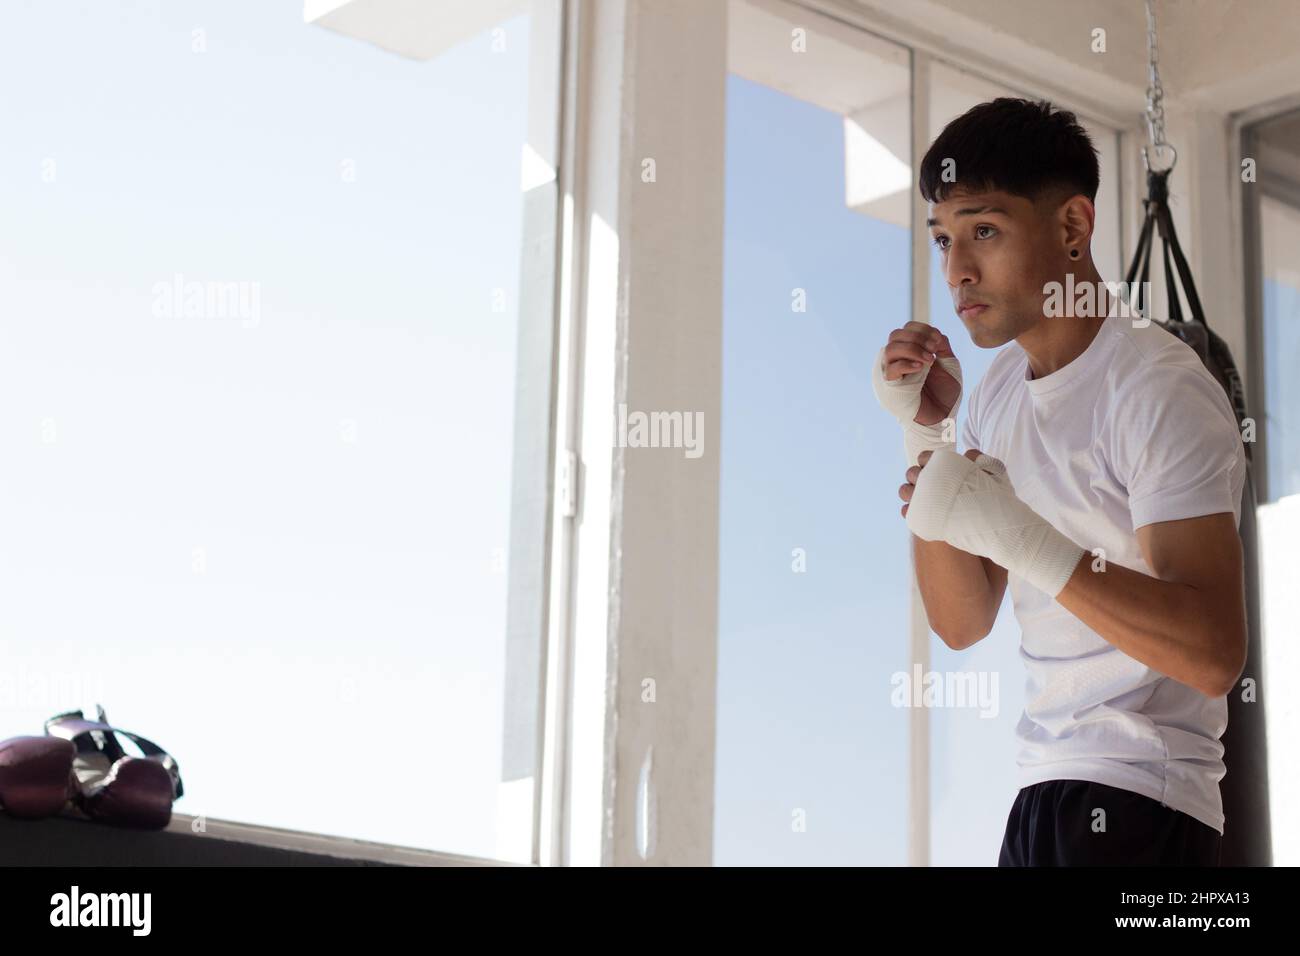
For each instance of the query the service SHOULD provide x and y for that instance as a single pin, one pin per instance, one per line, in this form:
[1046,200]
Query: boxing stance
[1100,481]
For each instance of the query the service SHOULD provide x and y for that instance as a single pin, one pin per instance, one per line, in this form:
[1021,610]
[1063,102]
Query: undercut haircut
[1023,147]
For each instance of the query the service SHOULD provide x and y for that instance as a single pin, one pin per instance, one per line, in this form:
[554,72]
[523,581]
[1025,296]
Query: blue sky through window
[805,722]
[274,546]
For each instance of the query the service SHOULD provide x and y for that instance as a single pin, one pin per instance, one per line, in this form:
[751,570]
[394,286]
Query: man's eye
[939,242]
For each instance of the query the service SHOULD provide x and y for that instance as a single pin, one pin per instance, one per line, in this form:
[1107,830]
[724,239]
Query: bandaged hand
[922,392]
[972,506]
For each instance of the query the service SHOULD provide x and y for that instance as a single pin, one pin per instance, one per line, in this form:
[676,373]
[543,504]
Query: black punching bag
[1247,834]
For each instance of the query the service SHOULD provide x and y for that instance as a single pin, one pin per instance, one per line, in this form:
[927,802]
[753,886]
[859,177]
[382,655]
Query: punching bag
[1247,838]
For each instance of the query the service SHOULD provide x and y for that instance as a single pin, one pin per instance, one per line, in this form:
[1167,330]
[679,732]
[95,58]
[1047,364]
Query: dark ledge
[71,841]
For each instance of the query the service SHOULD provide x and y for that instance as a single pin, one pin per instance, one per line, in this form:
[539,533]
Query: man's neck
[1056,341]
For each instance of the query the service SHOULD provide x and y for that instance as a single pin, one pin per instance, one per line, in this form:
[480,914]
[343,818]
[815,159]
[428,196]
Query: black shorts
[1056,823]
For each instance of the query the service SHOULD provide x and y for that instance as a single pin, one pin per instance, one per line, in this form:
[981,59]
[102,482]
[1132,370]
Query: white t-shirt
[1133,431]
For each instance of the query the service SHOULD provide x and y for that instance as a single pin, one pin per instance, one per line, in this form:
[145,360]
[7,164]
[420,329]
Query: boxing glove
[36,778]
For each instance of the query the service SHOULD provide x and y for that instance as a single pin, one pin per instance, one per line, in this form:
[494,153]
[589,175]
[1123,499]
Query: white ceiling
[1223,55]
[1217,54]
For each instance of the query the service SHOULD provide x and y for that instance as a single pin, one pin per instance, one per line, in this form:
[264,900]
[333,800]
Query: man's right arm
[961,592]
[917,379]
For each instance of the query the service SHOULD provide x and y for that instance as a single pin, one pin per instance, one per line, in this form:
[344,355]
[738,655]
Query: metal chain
[1155,94]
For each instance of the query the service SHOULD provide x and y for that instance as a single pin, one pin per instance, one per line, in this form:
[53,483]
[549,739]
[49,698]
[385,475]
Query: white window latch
[568,490]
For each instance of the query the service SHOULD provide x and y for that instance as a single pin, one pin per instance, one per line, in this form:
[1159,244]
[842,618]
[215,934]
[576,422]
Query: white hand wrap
[902,399]
[972,506]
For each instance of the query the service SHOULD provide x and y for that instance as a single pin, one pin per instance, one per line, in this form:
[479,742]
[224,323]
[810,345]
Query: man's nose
[960,268]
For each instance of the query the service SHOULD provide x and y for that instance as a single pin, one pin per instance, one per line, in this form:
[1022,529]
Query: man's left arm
[1188,620]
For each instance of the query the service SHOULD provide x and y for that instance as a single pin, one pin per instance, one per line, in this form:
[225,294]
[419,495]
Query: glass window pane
[258,415]
[1280,248]
[814,603]
[1279,517]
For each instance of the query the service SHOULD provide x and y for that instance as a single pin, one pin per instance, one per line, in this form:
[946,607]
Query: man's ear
[1077,216]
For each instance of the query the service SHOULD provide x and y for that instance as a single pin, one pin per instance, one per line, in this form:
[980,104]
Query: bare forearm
[960,601]
[1187,633]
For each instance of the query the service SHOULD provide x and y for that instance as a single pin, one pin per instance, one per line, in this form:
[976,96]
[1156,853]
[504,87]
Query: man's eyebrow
[970,211]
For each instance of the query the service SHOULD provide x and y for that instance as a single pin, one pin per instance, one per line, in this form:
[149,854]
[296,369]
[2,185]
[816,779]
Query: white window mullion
[629,780]
[918,818]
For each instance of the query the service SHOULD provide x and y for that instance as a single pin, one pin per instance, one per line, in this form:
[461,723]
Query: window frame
[530,551]
[1247,140]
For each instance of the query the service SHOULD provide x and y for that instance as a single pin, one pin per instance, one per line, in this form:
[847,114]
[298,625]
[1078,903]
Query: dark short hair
[1017,146]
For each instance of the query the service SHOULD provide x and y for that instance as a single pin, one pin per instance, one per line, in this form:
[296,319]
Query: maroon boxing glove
[36,778]
[115,787]
[136,792]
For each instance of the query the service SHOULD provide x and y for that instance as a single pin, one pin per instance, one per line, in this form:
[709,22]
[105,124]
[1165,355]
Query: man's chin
[985,336]
[989,339]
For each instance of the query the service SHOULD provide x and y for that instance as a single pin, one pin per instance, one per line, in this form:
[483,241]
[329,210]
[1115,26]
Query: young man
[1102,483]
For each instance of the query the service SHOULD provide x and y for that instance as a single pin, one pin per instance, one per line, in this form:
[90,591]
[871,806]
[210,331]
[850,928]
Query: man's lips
[970,308]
